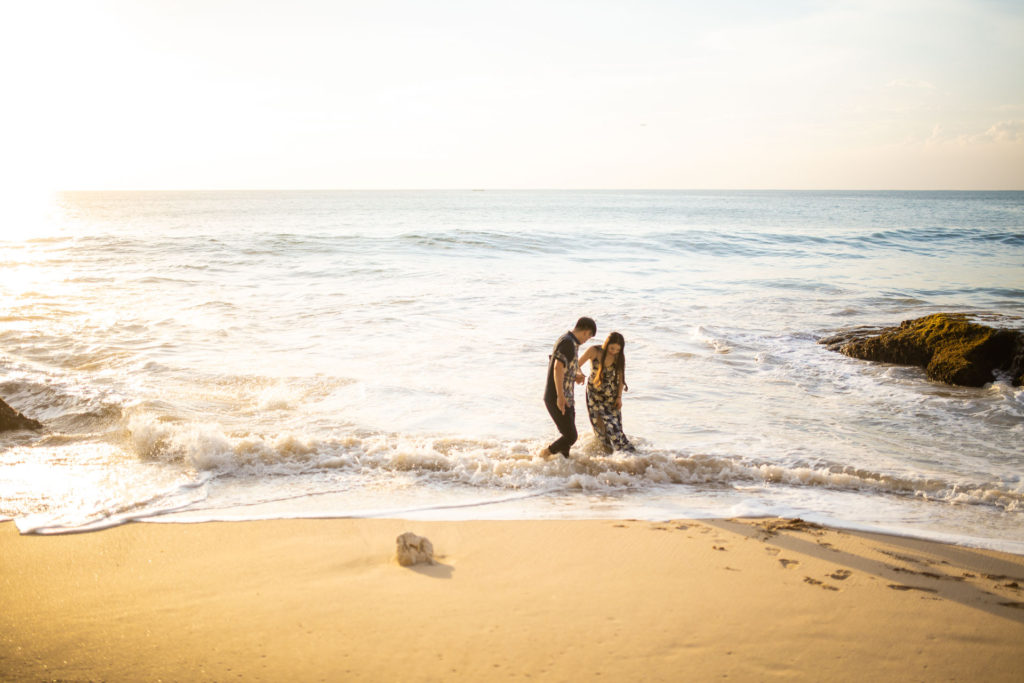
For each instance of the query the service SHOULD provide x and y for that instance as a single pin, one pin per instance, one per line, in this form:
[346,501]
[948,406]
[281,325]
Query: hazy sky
[208,94]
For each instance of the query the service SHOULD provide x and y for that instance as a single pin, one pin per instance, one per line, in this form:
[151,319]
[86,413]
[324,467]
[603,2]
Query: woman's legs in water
[607,423]
[613,429]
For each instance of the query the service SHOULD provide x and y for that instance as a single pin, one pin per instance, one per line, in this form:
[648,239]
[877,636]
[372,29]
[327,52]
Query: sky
[300,94]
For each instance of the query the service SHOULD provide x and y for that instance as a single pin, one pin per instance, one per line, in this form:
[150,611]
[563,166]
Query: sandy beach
[524,600]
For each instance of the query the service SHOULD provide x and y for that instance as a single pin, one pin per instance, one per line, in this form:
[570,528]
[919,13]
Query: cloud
[1002,133]
[1005,131]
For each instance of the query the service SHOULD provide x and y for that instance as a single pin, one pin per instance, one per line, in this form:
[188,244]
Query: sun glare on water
[29,213]
[28,219]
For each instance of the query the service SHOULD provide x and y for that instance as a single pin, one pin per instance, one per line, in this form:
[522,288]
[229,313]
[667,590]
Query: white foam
[510,464]
[276,397]
[712,339]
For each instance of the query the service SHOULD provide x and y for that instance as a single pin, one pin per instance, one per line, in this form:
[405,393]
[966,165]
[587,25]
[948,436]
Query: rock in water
[413,549]
[11,419]
[950,348]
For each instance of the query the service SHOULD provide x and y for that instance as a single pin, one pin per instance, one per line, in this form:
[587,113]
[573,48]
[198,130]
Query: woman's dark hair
[620,362]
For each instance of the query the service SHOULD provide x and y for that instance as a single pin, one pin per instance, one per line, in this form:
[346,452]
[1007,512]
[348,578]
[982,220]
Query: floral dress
[605,418]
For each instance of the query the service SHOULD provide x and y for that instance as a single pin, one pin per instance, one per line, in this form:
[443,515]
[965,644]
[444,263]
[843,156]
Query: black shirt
[565,350]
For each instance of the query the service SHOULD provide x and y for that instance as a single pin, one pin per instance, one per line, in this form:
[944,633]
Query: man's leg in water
[566,423]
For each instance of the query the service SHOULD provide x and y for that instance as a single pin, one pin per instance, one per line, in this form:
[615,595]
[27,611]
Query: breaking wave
[514,465]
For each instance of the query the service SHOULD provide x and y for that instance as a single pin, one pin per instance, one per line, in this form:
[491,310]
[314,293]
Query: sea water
[241,355]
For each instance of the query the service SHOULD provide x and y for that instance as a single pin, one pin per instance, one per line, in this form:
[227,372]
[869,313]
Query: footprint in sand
[841,574]
[930,575]
[901,587]
[772,551]
[815,582]
[905,558]
[787,563]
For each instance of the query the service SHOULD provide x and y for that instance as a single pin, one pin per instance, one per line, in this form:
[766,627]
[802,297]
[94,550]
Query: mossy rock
[948,346]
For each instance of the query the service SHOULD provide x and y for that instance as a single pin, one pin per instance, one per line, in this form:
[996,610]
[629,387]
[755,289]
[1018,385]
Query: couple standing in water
[604,388]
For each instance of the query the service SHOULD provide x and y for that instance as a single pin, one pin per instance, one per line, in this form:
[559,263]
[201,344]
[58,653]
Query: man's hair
[588,324]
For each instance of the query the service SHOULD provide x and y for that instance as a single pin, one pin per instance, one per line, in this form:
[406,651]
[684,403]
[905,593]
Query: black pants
[566,423]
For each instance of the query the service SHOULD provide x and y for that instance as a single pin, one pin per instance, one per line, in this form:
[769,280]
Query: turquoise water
[237,355]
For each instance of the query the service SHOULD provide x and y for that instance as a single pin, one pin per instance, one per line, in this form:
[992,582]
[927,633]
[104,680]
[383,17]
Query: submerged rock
[413,549]
[11,419]
[948,346]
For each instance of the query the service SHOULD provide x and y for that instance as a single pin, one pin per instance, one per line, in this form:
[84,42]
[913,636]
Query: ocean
[204,356]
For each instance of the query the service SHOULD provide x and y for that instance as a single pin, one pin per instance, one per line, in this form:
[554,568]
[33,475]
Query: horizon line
[527,189]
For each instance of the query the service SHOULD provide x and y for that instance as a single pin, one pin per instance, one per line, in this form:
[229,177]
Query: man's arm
[559,375]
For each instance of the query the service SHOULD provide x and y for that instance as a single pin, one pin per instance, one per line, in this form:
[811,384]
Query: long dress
[605,418]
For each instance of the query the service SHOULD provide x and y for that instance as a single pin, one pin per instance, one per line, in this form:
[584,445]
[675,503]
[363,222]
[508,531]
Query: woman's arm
[618,398]
[588,355]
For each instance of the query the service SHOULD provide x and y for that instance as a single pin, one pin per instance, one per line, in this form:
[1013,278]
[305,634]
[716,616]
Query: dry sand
[311,600]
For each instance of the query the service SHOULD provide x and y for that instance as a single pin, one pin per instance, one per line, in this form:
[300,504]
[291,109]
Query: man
[563,376]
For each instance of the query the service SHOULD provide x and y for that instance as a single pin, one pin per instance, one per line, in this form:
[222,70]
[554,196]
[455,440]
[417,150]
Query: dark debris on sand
[774,526]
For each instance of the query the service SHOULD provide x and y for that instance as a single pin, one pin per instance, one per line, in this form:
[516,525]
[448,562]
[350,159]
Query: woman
[604,391]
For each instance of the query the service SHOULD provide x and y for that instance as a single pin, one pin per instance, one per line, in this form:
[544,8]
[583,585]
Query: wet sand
[310,600]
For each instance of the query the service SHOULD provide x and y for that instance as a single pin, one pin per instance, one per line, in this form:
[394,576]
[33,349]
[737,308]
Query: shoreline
[616,600]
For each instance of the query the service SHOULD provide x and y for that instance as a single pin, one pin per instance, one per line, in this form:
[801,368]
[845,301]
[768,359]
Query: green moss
[950,348]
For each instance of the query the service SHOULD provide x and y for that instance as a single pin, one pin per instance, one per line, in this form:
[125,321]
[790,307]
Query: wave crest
[514,465]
